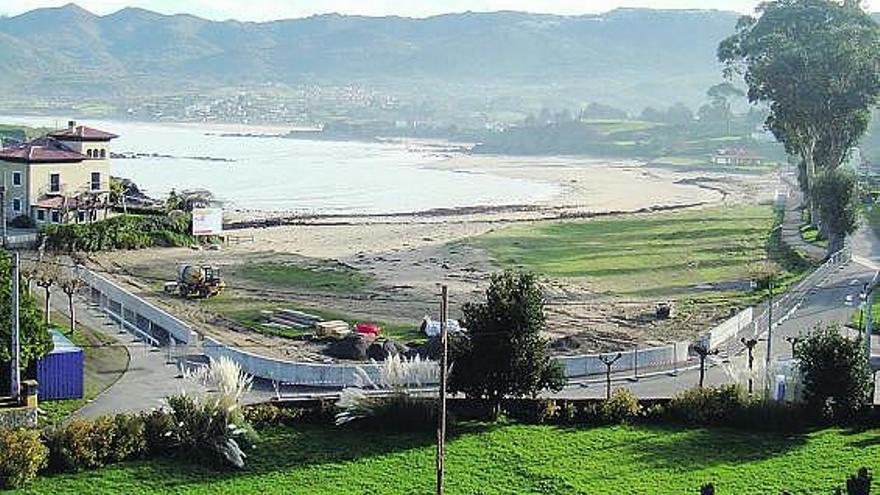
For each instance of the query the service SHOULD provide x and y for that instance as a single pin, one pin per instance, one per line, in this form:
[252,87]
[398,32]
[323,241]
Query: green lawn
[609,127]
[489,459]
[657,254]
[332,278]
[811,234]
[703,163]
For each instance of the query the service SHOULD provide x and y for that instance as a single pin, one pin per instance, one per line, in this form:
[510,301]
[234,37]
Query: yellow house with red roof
[63,177]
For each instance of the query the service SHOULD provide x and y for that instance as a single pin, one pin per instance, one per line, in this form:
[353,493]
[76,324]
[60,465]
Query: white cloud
[260,10]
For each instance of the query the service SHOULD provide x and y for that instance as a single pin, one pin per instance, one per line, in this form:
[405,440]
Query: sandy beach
[410,255]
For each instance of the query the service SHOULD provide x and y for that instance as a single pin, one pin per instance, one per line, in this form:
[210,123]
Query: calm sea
[277,174]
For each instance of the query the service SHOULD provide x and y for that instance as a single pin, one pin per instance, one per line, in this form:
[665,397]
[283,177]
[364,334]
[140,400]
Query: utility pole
[769,335]
[750,345]
[16,345]
[609,362]
[869,317]
[3,209]
[441,425]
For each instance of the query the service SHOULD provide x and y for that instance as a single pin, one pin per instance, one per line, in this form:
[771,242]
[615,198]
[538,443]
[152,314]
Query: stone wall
[19,417]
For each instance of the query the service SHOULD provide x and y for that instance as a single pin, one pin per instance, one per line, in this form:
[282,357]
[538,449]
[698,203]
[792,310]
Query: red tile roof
[82,133]
[57,203]
[41,150]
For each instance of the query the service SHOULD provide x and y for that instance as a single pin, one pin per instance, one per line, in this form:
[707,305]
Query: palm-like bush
[399,376]
[212,427]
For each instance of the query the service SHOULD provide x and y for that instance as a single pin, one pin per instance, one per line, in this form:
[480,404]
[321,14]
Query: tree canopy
[503,354]
[34,337]
[837,379]
[835,193]
[816,64]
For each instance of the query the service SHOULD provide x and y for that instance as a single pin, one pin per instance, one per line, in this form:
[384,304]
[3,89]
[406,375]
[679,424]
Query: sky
[262,10]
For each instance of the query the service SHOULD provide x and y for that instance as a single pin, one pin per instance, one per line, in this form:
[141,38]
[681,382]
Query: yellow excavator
[196,282]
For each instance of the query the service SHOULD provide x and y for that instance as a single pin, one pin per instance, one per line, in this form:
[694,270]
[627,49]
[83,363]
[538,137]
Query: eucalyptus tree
[815,64]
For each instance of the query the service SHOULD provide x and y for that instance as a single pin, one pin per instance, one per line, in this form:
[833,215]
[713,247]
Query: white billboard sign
[207,221]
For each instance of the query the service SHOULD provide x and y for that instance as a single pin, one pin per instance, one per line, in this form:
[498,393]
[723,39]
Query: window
[16,178]
[16,204]
[54,183]
[81,216]
[89,153]
[56,216]
[96,181]
[103,153]
[41,215]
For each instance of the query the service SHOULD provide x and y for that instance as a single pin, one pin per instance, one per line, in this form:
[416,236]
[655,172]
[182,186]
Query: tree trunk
[48,304]
[72,313]
[836,243]
[810,163]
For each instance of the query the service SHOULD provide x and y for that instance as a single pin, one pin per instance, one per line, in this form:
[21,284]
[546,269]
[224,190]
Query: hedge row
[185,428]
[120,232]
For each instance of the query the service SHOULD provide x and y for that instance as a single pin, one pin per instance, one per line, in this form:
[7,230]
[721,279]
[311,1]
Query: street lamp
[609,362]
[794,342]
[750,345]
[703,351]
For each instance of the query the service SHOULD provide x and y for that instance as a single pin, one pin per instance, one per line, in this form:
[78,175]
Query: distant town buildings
[736,156]
[62,177]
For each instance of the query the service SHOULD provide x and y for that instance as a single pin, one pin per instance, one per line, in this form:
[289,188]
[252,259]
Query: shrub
[837,380]
[537,411]
[22,455]
[159,429]
[22,222]
[84,444]
[622,407]
[80,444]
[119,232]
[504,352]
[212,429]
[129,437]
[204,430]
[397,375]
[260,415]
[708,406]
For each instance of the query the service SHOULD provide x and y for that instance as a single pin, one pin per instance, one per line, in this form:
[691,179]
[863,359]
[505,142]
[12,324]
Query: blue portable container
[60,372]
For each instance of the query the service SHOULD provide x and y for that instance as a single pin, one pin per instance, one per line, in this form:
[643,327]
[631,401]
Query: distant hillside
[629,57]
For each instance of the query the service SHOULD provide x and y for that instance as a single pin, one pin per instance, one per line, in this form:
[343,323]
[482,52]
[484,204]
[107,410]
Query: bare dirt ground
[409,257]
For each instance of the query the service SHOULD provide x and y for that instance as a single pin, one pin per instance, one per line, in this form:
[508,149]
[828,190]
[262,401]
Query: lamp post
[609,362]
[750,346]
[769,333]
[794,342]
[703,351]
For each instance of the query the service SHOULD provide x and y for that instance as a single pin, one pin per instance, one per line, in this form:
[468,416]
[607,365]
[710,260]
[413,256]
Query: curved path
[150,377]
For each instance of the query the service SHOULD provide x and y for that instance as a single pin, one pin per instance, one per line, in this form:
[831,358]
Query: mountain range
[646,55]
[627,57]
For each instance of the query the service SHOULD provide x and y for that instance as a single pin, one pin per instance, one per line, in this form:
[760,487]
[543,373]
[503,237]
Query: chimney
[71,124]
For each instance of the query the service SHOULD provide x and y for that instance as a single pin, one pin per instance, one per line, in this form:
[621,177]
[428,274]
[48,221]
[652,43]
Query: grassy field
[703,163]
[489,459]
[330,278]
[659,254]
[610,127]
[811,234]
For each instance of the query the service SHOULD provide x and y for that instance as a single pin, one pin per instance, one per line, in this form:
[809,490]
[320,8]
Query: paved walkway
[791,222]
[150,377]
